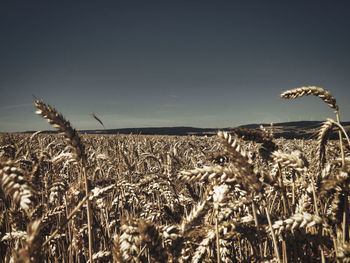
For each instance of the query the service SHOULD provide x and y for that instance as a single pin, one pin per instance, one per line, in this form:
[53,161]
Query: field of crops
[240,197]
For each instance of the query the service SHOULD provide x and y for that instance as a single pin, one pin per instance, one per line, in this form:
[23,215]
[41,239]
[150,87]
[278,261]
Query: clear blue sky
[171,63]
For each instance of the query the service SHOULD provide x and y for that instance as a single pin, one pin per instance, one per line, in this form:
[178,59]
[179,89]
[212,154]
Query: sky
[171,63]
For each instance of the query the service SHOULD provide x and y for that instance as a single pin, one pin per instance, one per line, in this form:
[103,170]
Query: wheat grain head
[323,94]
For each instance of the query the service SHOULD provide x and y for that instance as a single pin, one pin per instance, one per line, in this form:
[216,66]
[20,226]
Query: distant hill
[299,124]
[296,129]
[288,130]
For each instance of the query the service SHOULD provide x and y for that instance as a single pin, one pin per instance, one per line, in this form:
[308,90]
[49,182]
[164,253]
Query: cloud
[169,105]
[16,106]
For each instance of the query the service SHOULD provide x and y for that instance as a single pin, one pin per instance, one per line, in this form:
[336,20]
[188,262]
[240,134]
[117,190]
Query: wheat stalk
[31,253]
[73,139]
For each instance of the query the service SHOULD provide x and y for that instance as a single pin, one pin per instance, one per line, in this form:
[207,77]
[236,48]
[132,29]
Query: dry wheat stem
[89,213]
[273,236]
[340,138]
[31,252]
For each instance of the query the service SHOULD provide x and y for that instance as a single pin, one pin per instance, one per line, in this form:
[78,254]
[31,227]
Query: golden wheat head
[323,94]
[58,121]
[14,184]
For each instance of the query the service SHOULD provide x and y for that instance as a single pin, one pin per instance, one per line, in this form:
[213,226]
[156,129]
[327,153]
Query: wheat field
[240,197]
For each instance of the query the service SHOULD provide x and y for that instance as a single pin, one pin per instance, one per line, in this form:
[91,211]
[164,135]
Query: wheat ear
[13,183]
[246,134]
[295,160]
[297,221]
[323,94]
[322,137]
[242,164]
[58,121]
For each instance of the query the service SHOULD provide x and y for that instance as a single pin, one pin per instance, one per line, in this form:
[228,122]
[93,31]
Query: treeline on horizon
[287,130]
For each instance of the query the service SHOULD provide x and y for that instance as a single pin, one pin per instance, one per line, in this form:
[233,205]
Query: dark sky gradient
[171,63]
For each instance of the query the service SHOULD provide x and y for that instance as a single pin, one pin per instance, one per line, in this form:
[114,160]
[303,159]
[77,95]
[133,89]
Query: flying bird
[93,115]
